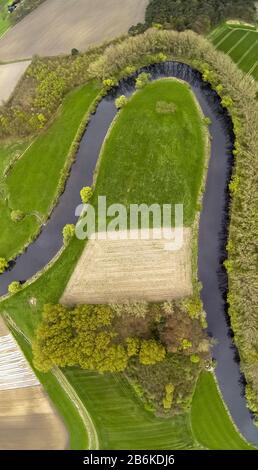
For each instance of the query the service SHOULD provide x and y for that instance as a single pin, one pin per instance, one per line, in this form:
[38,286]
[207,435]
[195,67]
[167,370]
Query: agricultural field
[241,44]
[74,24]
[133,270]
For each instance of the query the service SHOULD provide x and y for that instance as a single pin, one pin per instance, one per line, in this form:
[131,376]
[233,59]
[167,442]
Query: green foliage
[86,193]
[68,233]
[186,344]
[234,184]
[227,102]
[151,352]
[17,215]
[195,359]
[193,307]
[198,15]
[133,346]
[168,399]
[121,101]
[3,265]
[206,121]
[109,83]
[14,287]
[142,80]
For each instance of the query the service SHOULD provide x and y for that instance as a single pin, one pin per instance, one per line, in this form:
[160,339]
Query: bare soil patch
[57,26]
[10,74]
[112,271]
[28,421]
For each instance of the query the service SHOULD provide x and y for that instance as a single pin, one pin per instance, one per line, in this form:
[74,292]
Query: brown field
[112,271]
[27,419]
[57,26]
[10,75]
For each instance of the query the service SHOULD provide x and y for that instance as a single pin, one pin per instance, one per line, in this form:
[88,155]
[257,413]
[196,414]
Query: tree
[81,336]
[151,352]
[133,346]
[68,233]
[14,287]
[121,101]
[3,265]
[142,80]
[86,193]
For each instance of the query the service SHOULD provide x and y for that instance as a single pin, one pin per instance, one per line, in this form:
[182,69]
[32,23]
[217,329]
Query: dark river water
[212,233]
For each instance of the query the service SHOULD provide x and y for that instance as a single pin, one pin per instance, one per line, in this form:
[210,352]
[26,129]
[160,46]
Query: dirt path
[117,270]
[57,26]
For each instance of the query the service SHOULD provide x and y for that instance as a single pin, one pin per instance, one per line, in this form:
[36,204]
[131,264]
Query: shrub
[168,399]
[195,359]
[133,346]
[109,83]
[3,265]
[75,51]
[14,287]
[86,193]
[17,215]
[68,233]
[206,121]
[142,80]
[121,101]
[186,344]
[151,352]
[227,102]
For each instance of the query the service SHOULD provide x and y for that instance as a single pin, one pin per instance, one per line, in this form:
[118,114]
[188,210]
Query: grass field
[154,156]
[211,424]
[241,44]
[4,17]
[31,186]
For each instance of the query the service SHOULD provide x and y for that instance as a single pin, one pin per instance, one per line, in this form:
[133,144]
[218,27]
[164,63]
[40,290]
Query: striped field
[241,44]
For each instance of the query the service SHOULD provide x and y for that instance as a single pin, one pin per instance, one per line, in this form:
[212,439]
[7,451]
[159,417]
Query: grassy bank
[211,424]
[33,183]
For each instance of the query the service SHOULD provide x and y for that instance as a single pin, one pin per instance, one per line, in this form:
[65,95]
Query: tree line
[198,15]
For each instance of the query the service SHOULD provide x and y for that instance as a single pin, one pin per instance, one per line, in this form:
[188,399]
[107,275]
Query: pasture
[241,44]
